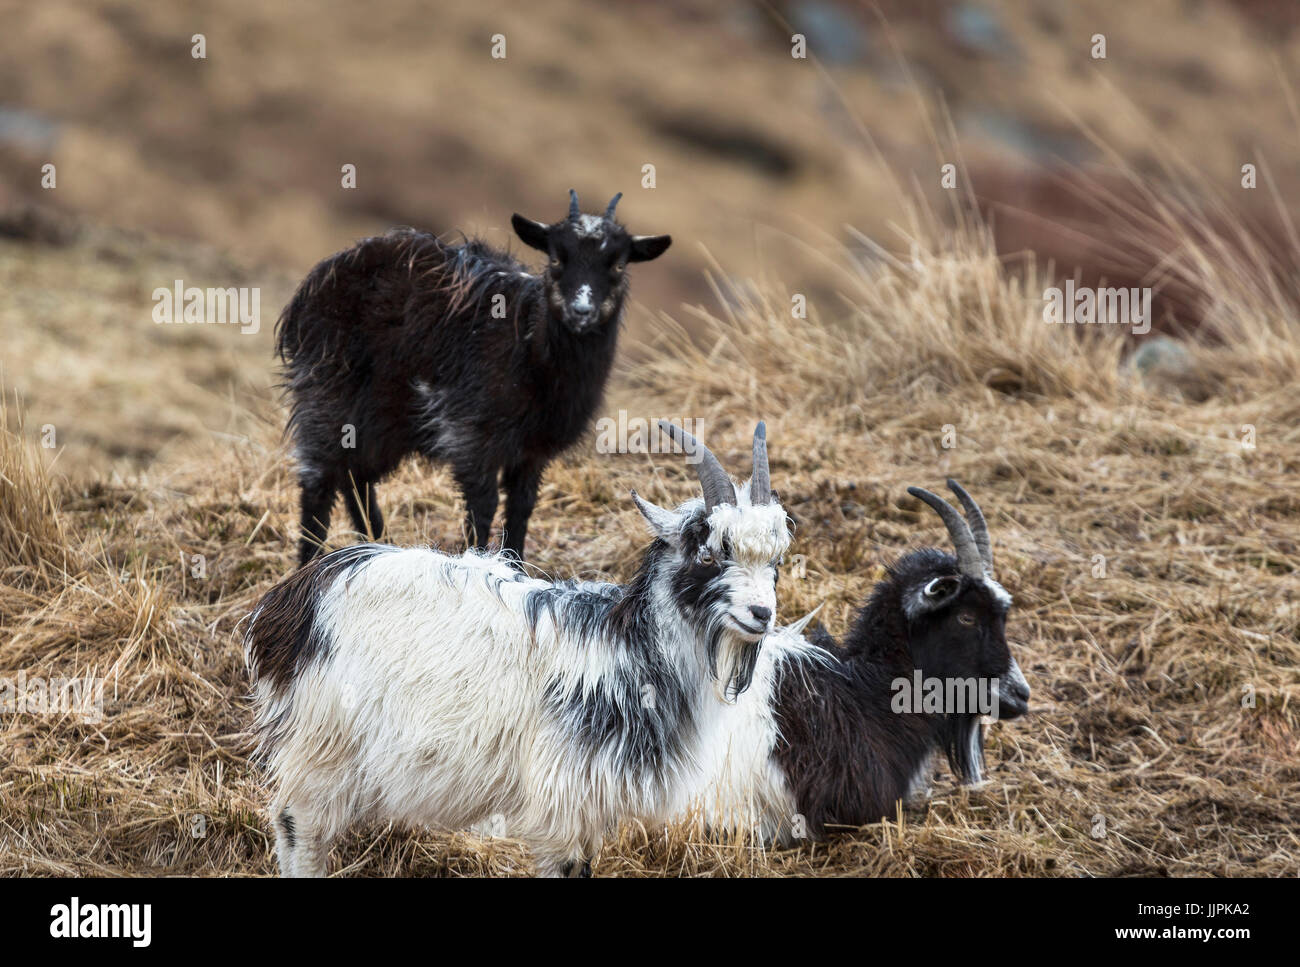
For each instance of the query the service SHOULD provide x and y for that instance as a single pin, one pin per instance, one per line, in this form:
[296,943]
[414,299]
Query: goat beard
[962,739]
[731,662]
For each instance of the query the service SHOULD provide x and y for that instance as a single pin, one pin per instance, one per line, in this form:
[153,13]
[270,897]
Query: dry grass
[1138,672]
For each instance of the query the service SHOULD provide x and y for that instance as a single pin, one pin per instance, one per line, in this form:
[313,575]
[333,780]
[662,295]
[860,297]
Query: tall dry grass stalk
[34,544]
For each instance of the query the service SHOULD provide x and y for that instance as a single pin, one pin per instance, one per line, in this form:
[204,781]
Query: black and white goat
[404,344]
[821,733]
[416,687]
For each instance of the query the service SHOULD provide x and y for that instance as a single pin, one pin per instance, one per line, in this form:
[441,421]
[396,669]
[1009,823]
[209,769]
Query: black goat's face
[957,632]
[586,277]
[955,614]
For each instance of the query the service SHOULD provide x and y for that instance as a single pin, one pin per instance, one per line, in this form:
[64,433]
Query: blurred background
[226,170]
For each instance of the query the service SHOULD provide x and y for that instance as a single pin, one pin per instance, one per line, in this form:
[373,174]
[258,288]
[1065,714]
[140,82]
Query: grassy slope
[1137,675]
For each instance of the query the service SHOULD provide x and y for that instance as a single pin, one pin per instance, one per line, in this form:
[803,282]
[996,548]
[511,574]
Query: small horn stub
[609,212]
[798,627]
[713,479]
[574,210]
[979,527]
[969,561]
[760,485]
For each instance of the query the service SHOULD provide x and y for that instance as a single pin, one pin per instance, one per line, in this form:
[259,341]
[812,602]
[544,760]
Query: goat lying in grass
[830,733]
[415,687]
[403,344]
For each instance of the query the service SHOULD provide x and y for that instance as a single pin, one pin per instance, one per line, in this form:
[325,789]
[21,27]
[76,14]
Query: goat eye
[705,557]
[966,618]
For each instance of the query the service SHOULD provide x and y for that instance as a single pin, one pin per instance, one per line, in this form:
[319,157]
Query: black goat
[836,734]
[405,344]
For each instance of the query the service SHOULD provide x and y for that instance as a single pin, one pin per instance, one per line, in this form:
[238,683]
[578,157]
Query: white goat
[425,689]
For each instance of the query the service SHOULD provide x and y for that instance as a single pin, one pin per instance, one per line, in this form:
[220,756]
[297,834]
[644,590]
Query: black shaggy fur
[401,345]
[847,754]
[287,824]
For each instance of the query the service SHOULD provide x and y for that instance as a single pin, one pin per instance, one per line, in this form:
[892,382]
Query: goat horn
[574,211]
[798,627]
[760,485]
[609,212]
[979,527]
[717,485]
[969,561]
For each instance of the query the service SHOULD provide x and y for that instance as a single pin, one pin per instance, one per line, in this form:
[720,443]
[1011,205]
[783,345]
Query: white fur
[428,710]
[590,226]
[739,785]
[427,705]
[755,531]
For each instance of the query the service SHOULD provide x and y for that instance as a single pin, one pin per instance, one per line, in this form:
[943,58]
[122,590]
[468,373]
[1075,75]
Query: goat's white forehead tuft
[756,533]
[589,226]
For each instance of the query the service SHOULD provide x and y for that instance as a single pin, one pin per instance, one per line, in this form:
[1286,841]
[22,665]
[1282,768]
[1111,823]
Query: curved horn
[968,555]
[717,485]
[979,527]
[574,210]
[609,212]
[760,485]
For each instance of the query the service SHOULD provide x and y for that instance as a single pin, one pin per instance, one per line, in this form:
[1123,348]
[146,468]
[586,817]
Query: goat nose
[760,613]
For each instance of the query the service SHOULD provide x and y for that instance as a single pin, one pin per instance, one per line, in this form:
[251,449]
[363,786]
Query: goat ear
[647,247]
[664,524]
[941,590]
[534,234]
[934,595]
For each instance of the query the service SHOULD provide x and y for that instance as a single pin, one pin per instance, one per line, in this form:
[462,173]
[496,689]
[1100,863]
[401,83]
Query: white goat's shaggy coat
[442,691]
[740,786]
